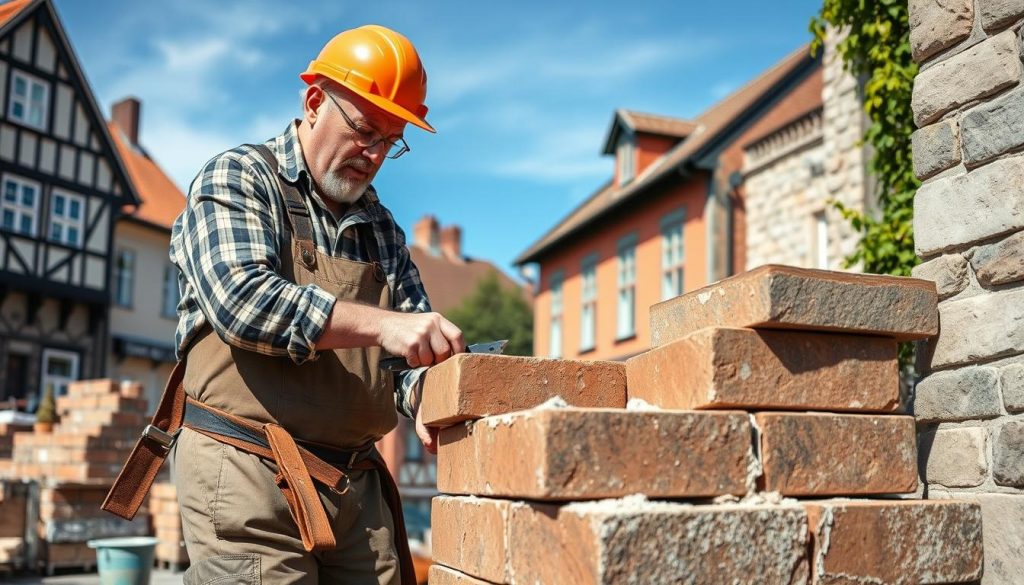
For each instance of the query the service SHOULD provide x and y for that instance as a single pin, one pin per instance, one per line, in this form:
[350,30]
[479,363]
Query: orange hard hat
[381,66]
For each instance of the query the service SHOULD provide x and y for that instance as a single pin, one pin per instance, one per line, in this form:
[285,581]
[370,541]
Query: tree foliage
[494,312]
[876,49]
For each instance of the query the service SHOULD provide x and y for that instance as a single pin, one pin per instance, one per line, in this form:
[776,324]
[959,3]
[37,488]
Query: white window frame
[171,292]
[626,157]
[588,303]
[17,208]
[26,101]
[625,320]
[124,280]
[60,383]
[673,254]
[557,313]
[821,240]
[63,221]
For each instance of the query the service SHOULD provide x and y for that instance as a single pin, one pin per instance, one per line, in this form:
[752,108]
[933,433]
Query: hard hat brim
[381,102]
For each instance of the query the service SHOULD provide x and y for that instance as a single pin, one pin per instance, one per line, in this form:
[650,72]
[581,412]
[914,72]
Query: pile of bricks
[75,465]
[766,413]
[163,507]
[7,432]
[100,420]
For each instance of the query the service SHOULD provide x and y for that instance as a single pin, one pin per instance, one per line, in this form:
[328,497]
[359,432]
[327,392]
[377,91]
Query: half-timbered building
[62,188]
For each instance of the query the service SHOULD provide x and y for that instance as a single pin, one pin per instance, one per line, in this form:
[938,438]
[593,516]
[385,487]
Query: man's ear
[311,104]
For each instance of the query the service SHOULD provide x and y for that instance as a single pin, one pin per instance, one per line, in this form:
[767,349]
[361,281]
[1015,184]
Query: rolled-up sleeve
[227,248]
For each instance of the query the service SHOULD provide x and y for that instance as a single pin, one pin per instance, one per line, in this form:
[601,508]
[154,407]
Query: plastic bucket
[124,561]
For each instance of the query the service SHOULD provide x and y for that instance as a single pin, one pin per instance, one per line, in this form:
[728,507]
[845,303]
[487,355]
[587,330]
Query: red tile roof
[709,125]
[162,201]
[12,9]
[449,281]
[657,124]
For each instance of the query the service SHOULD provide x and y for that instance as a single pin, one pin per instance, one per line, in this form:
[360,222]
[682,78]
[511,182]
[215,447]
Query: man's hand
[427,435]
[423,339]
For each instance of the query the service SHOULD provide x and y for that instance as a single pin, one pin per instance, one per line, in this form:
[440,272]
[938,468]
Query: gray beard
[342,190]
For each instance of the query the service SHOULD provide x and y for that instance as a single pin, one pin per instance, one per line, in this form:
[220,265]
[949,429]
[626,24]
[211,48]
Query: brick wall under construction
[761,440]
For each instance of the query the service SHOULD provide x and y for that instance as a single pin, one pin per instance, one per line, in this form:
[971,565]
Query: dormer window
[626,156]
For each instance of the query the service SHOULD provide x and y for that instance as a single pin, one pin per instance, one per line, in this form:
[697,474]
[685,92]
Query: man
[295,281]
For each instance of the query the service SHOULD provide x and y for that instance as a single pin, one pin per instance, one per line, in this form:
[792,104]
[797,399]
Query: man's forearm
[352,325]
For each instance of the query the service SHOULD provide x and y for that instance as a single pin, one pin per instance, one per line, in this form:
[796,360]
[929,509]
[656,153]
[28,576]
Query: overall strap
[298,216]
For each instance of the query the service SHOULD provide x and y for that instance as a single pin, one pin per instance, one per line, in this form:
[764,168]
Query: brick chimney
[426,234]
[451,242]
[125,114]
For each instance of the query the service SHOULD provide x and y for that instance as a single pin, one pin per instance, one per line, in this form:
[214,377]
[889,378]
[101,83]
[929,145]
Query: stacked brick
[7,432]
[14,518]
[76,463]
[163,508]
[779,386]
[969,233]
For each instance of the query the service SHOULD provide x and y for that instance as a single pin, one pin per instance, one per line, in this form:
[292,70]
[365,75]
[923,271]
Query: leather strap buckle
[160,436]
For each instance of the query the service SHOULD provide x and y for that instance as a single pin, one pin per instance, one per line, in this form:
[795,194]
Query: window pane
[73,236]
[35,116]
[56,366]
[58,205]
[10,191]
[20,86]
[37,93]
[26,224]
[28,195]
[18,110]
[8,219]
[74,209]
[55,231]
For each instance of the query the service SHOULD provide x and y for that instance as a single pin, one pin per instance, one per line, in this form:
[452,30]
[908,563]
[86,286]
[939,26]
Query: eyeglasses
[370,139]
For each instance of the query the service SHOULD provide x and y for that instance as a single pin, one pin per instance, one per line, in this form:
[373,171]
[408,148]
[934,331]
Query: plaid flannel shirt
[228,245]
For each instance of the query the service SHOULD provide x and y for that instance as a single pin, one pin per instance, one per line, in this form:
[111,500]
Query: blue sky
[522,93]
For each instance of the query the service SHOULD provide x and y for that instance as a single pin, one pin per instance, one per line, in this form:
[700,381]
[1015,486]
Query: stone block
[979,328]
[948,272]
[835,454]
[937,24]
[1001,262]
[630,541]
[587,453]
[996,14]
[1011,381]
[994,127]
[469,386]
[1008,454]
[1002,516]
[763,369]
[441,575]
[955,457]
[969,393]
[471,535]
[991,196]
[784,297]
[936,148]
[982,70]
[895,542]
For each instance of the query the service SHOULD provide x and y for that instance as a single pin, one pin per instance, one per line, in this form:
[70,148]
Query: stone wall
[790,176]
[969,231]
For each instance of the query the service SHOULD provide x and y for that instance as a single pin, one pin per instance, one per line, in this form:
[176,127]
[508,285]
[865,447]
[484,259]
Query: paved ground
[158,578]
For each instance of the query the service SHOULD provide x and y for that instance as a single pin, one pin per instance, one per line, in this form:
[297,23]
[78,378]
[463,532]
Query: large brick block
[588,453]
[895,542]
[980,71]
[1008,454]
[647,542]
[469,386]
[948,272]
[471,535]
[935,148]
[989,195]
[441,575]
[783,297]
[1000,263]
[969,393]
[994,127]
[834,454]
[762,369]
[999,13]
